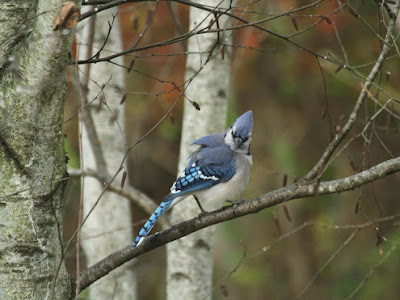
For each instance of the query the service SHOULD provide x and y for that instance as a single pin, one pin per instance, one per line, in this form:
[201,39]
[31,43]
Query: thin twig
[137,197]
[316,171]
[330,259]
[372,270]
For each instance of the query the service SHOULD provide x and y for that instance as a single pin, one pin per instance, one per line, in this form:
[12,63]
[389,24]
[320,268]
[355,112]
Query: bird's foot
[202,211]
[235,202]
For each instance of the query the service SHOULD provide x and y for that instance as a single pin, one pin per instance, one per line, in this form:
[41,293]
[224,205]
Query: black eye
[233,134]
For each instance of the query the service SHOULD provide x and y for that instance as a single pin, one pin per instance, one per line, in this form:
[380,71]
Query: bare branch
[316,171]
[137,197]
[272,198]
[205,30]
[372,271]
[331,258]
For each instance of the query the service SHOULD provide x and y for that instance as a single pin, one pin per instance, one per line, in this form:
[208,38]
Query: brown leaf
[284,180]
[122,99]
[379,238]
[131,64]
[357,207]
[286,211]
[135,23]
[328,20]
[277,225]
[294,23]
[172,119]
[196,105]
[123,179]
[387,75]
[68,16]
[339,68]
[353,12]
[210,24]
[223,289]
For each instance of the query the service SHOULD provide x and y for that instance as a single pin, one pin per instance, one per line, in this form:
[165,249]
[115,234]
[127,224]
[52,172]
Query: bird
[218,170]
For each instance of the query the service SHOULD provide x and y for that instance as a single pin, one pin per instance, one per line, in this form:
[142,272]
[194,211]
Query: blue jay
[217,171]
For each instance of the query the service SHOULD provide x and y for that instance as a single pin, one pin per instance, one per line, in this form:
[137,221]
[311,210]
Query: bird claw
[235,202]
[202,213]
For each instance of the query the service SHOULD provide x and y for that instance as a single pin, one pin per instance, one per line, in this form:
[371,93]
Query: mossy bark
[33,60]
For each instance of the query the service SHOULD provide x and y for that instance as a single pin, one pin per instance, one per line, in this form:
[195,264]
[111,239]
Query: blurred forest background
[298,103]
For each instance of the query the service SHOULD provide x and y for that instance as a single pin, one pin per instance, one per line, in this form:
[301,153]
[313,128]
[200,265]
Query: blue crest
[244,124]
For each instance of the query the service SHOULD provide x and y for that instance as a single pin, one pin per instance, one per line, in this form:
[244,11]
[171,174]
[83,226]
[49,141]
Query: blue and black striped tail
[153,219]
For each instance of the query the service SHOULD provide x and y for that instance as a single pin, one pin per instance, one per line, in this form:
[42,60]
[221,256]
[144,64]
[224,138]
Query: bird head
[238,136]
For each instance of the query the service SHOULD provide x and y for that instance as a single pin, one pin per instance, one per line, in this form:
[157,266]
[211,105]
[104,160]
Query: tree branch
[214,10]
[138,198]
[316,171]
[272,198]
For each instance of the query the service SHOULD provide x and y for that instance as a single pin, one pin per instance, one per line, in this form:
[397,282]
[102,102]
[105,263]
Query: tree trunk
[109,226]
[190,259]
[33,60]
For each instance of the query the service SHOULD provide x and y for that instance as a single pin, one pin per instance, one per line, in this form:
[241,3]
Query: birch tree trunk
[33,61]
[190,259]
[109,226]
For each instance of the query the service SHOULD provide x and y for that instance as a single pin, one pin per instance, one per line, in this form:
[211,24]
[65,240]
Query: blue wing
[212,140]
[208,166]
